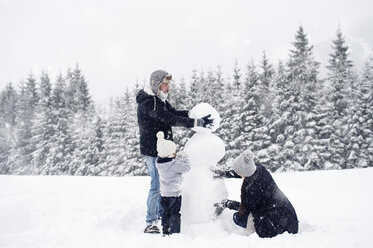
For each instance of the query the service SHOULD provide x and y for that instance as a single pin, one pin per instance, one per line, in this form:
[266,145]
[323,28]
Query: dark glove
[219,207]
[205,121]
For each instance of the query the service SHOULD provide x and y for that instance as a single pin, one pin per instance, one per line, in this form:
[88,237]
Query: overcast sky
[119,42]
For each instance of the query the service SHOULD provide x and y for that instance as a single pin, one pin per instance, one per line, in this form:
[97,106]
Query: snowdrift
[334,209]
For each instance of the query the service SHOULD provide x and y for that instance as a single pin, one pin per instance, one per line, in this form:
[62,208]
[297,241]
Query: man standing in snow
[154,114]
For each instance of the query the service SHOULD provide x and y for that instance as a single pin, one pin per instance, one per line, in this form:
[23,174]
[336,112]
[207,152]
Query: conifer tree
[43,128]
[254,123]
[276,123]
[219,89]
[134,164]
[8,97]
[180,101]
[265,77]
[182,90]
[365,121]
[298,106]
[236,84]
[195,88]
[340,77]
[91,155]
[79,99]
[8,102]
[21,155]
[117,131]
[231,123]
[82,111]
[60,153]
[209,89]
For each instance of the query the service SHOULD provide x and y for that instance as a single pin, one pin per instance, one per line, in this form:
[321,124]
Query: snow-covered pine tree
[209,88]
[59,156]
[117,131]
[93,152]
[97,149]
[276,123]
[221,102]
[173,93]
[266,76]
[21,155]
[219,89]
[43,127]
[231,129]
[254,122]
[135,165]
[8,102]
[340,78]
[180,100]
[366,117]
[195,89]
[322,127]
[355,135]
[298,106]
[236,83]
[251,76]
[78,97]
[267,71]
[203,87]
[261,92]
[251,107]
[82,115]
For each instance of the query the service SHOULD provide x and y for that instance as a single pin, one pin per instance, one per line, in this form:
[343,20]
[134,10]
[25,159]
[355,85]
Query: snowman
[200,189]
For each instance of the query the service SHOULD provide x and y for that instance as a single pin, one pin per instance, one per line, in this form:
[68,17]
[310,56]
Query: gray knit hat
[158,77]
[244,164]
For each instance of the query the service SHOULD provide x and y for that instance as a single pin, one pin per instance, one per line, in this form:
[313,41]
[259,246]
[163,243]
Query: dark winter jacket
[154,115]
[272,212]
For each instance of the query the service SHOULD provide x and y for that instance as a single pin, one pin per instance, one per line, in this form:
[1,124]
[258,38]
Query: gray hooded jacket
[171,174]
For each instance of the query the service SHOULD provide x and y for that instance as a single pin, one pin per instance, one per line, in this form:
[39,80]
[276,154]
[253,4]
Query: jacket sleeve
[181,165]
[160,112]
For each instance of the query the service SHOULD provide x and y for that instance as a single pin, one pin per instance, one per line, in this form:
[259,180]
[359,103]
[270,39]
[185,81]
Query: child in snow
[171,168]
[264,209]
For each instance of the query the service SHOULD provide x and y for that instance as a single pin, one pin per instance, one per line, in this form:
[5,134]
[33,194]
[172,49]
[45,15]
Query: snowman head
[201,110]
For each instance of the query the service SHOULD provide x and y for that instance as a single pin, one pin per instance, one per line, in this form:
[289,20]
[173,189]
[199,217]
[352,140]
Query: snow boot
[152,229]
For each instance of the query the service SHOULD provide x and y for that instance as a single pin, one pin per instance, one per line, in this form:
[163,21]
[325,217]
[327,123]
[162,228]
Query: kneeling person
[264,209]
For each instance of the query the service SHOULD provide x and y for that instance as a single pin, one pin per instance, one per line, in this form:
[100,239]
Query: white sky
[119,42]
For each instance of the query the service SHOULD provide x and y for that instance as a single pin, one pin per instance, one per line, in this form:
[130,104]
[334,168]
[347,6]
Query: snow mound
[333,207]
[14,217]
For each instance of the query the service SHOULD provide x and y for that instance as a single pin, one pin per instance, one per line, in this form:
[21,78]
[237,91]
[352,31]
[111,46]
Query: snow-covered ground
[335,209]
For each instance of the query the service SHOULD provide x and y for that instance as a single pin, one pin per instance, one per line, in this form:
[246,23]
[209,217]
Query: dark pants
[275,222]
[171,214]
[270,224]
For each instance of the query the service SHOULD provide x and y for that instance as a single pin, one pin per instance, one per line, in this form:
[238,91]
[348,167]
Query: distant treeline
[290,117]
